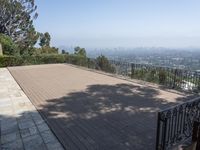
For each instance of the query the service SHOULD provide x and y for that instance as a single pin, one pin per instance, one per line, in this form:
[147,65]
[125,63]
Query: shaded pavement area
[88,110]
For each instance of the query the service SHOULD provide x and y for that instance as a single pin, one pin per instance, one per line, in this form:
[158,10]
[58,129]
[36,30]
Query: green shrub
[162,76]
[77,60]
[9,47]
[10,61]
[92,63]
[104,64]
[49,59]
[101,63]
[6,61]
[150,76]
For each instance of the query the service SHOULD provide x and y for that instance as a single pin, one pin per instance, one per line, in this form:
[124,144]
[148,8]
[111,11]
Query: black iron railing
[170,77]
[196,135]
[121,68]
[175,124]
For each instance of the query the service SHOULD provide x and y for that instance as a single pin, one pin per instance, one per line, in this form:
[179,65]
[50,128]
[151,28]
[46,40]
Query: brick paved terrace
[87,110]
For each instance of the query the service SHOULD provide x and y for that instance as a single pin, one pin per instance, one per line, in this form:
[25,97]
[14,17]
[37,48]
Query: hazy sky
[126,23]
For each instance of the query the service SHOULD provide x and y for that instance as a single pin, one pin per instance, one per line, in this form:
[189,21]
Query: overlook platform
[88,110]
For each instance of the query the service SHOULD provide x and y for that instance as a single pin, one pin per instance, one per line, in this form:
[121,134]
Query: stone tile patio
[21,126]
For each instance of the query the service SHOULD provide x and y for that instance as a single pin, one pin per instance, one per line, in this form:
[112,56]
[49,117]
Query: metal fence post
[196,134]
[132,69]
[174,81]
[158,132]
[198,139]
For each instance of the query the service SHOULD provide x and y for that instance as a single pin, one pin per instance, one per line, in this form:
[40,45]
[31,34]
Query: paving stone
[11,137]
[34,142]
[28,132]
[54,146]
[16,94]
[26,123]
[5,102]
[43,127]
[8,120]
[30,107]
[7,105]
[16,99]
[37,118]
[9,127]
[3,89]
[15,145]
[48,137]
[18,119]
[4,95]
[25,116]
[20,107]
[19,112]
[8,110]
[33,130]
[24,133]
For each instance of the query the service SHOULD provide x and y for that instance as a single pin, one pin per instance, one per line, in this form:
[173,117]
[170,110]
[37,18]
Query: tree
[104,64]
[16,21]
[16,18]
[76,50]
[45,50]
[80,51]
[45,39]
[27,45]
[9,47]
[45,44]
[64,52]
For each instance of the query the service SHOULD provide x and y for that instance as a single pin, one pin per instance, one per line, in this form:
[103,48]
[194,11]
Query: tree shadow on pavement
[121,116]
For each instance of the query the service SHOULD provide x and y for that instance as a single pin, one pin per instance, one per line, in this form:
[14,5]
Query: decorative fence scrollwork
[175,124]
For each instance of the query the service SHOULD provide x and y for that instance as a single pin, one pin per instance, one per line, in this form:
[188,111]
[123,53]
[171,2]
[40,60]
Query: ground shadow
[101,117]
[121,116]
[26,130]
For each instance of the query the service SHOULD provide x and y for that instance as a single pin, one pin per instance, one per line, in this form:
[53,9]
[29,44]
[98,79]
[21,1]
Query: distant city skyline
[125,23]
